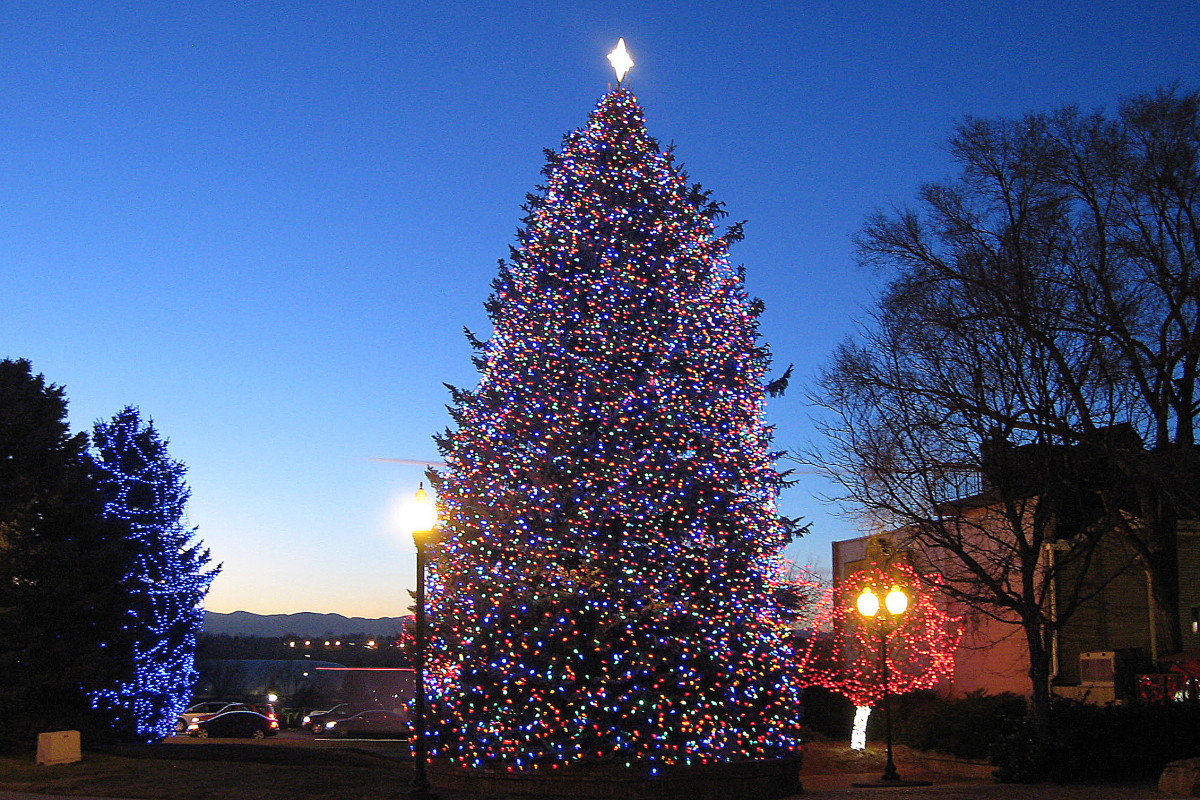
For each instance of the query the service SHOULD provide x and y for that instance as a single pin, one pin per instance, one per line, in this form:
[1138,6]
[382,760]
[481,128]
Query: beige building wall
[992,657]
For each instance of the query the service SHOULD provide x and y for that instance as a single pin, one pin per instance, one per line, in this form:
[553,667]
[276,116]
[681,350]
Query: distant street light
[421,518]
[895,604]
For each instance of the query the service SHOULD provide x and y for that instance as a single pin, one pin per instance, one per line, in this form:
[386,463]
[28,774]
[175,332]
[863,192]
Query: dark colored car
[235,724]
[366,724]
[314,722]
[203,711]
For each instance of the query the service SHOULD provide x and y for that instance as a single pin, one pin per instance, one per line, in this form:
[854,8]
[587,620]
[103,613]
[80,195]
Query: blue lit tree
[607,581]
[143,488]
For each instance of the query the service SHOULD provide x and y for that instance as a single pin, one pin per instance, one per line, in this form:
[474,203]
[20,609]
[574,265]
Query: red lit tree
[843,653]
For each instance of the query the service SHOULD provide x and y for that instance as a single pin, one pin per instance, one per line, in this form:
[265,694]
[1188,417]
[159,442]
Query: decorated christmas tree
[143,490]
[607,578]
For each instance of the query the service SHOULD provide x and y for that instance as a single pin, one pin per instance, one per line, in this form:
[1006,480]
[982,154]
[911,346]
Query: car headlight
[330,726]
[307,719]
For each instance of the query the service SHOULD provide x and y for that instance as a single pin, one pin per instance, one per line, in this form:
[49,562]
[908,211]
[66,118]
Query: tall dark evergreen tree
[62,620]
[143,489]
[606,581]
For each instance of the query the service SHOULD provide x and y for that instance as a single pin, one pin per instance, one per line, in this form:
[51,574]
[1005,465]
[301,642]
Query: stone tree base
[744,780]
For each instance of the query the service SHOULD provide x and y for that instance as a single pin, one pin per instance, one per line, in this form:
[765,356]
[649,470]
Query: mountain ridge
[305,623]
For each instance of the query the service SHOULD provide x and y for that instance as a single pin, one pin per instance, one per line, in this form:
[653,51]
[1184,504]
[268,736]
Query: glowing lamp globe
[420,514]
[868,603]
[896,601]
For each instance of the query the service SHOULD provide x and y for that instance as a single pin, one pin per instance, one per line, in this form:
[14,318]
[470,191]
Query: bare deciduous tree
[1039,325]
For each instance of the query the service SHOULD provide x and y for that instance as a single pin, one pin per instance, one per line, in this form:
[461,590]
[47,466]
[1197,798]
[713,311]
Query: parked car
[235,723]
[376,723]
[267,710]
[203,711]
[314,722]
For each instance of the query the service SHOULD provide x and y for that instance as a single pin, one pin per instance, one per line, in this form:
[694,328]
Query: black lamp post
[423,521]
[895,604]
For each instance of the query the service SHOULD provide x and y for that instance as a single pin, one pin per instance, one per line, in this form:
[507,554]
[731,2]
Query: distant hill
[243,623]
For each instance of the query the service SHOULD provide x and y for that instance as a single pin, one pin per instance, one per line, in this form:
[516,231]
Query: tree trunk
[1039,675]
[1160,481]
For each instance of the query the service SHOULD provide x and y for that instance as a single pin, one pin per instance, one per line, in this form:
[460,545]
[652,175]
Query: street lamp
[421,520]
[894,606]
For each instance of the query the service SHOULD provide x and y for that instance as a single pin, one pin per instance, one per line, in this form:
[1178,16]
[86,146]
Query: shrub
[1100,743]
[966,727]
[827,713]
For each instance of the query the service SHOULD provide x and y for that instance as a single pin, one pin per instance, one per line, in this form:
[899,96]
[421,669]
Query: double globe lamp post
[421,519]
[886,620]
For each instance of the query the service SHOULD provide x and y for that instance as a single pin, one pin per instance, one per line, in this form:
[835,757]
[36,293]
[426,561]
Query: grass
[193,770]
[214,771]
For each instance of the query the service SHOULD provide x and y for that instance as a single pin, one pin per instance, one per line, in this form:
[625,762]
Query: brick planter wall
[945,764]
[747,780]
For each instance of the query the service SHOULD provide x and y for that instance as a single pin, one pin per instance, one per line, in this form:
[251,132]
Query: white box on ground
[58,747]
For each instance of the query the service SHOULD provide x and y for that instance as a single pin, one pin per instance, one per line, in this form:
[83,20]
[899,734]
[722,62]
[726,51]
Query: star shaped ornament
[620,60]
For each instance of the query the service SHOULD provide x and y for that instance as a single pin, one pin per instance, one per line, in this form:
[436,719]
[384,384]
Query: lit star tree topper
[620,60]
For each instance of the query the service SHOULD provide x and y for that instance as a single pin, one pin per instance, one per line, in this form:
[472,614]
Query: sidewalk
[840,787]
[831,770]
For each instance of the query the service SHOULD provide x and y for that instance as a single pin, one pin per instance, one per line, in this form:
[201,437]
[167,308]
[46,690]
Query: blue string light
[143,488]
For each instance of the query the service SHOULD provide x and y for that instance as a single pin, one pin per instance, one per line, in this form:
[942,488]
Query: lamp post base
[421,791]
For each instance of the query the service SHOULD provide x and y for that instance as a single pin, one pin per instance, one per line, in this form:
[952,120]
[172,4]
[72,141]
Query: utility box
[1098,669]
[58,747]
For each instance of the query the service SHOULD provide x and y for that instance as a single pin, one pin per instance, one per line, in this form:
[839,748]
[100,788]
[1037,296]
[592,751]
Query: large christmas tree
[605,583]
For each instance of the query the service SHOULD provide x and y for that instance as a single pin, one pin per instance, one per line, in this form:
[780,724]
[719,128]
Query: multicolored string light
[605,582]
[143,488]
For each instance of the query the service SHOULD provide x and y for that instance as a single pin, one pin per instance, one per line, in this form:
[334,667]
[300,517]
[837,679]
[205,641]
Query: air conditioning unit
[1098,669]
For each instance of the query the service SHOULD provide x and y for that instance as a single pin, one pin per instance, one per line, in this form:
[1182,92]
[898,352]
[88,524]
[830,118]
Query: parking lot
[398,749]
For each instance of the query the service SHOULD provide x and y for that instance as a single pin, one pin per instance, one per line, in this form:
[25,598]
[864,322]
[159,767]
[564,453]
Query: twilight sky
[266,223]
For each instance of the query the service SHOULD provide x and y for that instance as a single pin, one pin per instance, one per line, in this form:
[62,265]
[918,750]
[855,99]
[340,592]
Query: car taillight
[274,723]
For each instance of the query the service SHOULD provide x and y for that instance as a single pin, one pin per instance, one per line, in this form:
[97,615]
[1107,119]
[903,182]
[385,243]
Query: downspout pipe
[1151,616]
[1051,564]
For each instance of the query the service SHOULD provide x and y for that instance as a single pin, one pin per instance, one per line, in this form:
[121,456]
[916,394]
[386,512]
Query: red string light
[843,652]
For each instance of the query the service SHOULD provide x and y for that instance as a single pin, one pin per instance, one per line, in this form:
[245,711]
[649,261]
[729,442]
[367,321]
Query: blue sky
[266,223]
